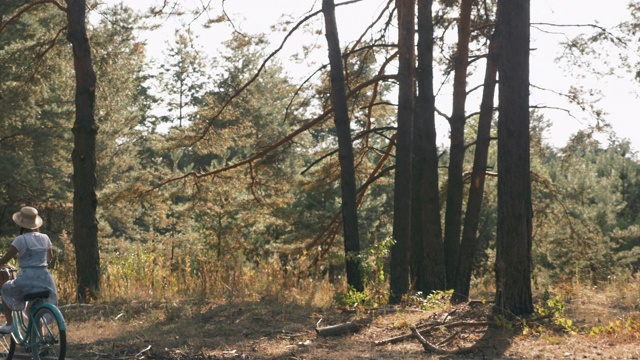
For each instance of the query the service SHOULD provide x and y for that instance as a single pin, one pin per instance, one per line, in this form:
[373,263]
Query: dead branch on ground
[426,328]
[337,330]
[436,350]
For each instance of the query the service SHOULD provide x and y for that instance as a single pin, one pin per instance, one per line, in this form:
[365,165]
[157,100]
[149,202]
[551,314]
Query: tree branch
[224,105]
[431,348]
[28,7]
[358,136]
[318,120]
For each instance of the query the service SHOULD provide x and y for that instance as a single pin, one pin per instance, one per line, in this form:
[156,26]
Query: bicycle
[39,330]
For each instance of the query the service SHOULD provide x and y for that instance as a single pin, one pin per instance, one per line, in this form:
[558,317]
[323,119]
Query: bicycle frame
[41,328]
[21,328]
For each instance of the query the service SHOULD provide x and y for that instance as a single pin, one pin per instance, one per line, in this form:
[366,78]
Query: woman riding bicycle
[33,251]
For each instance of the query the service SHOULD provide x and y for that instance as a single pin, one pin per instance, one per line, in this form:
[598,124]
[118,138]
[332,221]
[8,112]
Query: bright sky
[620,100]
[619,96]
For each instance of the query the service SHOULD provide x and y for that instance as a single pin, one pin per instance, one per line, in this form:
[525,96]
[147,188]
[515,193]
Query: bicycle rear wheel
[7,346]
[49,341]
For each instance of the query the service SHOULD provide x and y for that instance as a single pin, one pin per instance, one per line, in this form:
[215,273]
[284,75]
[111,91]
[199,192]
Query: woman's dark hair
[22,230]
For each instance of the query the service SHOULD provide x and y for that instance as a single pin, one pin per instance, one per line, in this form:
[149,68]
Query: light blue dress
[34,275]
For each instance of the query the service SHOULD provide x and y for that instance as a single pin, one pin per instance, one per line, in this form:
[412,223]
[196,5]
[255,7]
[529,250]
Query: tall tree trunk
[455,183]
[428,249]
[476,191]
[399,267]
[85,202]
[345,148]
[513,242]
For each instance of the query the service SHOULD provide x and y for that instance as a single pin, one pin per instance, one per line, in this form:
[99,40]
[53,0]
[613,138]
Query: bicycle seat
[37,295]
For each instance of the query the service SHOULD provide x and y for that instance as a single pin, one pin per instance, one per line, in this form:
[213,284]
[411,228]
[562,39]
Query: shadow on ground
[269,330]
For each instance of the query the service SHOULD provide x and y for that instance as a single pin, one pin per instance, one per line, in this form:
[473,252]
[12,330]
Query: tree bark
[428,249]
[455,182]
[399,266]
[85,224]
[468,244]
[345,149]
[513,242]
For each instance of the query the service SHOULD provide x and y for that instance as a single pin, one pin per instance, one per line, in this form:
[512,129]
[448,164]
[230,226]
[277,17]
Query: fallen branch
[480,302]
[340,329]
[448,339]
[382,310]
[428,327]
[431,348]
[74,305]
[393,340]
[143,351]
[465,323]
[395,310]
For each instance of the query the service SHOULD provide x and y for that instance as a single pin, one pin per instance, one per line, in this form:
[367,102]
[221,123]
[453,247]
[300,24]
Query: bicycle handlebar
[9,271]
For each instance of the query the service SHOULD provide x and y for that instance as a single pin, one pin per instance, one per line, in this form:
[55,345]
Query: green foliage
[353,298]
[585,210]
[182,80]
[502,321]
[630,325]
[201,236]
[372,261]
[436,300]
[554,308]
[35,113]
[584,191]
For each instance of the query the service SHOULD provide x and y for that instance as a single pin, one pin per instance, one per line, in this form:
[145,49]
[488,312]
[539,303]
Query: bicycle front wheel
[7,346]
[48,340]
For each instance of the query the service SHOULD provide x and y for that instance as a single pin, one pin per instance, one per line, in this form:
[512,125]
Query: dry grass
[162,304]
[282,326]
[151,272]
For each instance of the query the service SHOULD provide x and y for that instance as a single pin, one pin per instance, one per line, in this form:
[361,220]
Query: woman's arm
[10,254]
[49,256]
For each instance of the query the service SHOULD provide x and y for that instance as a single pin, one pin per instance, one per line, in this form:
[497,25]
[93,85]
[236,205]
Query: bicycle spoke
[50,340]
[7,346]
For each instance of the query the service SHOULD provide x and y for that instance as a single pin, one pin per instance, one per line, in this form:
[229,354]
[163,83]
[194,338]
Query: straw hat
[28,218]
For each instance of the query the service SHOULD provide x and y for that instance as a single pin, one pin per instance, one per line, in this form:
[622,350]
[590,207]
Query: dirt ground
[273,330]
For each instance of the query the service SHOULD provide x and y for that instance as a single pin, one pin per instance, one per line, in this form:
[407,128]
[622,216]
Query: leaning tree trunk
[455,183]
[513,242]
[399,266]
[345,148]
[428,250]
[85,224]
[468,244]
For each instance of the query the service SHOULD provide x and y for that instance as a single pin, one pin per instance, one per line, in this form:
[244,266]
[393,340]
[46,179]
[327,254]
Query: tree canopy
[223,160]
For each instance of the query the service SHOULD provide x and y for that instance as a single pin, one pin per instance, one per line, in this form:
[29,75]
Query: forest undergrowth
[155,306]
